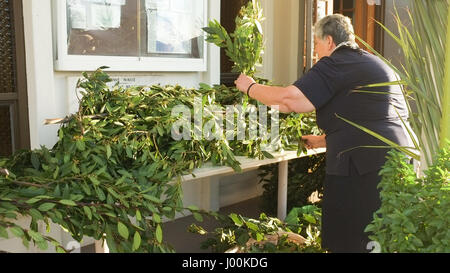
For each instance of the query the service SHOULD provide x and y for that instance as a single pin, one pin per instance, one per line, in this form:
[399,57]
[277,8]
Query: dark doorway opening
[14,126]
[229,11]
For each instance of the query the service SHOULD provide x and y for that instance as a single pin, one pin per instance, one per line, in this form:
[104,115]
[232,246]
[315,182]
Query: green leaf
[57,191]
[80,145]
[138,216]
[193,208]
[88,212]
[35,161]
[159,234]
[94,180]
[100,194]
[198,217]
[60,250]
[113,193]
[309,218]
[243,239]
[252,226]
[156,218]
[33,200]
[3,233]
[35,236]
[236,219]
[110,239]
[125,173]
[61,134]
[36,214]
[152,198]
[111,214]
[136,241]
[108,151]
[267,155]
[292,218]
[123,230]
[86,188]
[42,245]
[68,203]
[259,237]
[46,207]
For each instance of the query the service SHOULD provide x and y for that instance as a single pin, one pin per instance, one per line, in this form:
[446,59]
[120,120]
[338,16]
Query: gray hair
[338,26]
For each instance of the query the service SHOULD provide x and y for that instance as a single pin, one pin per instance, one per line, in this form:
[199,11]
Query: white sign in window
[131,35]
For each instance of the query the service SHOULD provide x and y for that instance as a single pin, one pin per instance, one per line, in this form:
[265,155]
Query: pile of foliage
[415,214]
[111,173]
[240,234]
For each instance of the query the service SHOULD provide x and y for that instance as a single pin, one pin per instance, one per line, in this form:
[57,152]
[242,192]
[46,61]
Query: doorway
[229,11]
[363,17]
[14,127]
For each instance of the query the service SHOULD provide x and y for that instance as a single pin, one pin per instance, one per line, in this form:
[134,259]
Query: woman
[331,88]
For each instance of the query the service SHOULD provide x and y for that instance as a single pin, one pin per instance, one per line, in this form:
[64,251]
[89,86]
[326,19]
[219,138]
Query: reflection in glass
[174,28]
[349,4]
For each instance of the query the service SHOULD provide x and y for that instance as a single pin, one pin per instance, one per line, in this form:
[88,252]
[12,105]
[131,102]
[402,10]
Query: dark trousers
[348,206]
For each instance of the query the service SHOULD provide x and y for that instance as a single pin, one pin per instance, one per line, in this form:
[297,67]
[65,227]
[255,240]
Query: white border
[66,62]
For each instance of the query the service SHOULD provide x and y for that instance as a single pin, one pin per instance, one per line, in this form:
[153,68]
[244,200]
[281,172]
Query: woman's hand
[243,83]
[314,142]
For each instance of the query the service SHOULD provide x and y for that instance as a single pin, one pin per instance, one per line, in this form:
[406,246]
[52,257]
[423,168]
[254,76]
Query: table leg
[282,189]
[210,194]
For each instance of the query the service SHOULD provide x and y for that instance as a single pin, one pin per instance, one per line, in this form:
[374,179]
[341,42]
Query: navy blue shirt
[330,86]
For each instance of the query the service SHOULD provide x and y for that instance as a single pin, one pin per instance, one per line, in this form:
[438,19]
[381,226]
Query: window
[363,17]
[131,35]
[345,7]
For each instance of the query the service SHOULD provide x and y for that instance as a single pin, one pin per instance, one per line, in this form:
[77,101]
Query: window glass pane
[175,28]
[6,143]
[337,6]
[349,14]
[144,28]
[349,4]
[102,27]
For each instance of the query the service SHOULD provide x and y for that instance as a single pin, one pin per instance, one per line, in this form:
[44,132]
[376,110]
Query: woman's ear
[330,42]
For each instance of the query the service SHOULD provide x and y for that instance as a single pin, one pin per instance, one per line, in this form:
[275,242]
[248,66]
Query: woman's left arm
[288,99]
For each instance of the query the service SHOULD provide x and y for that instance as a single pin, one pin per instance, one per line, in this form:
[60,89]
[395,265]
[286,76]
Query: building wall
[392,51]
[281,29]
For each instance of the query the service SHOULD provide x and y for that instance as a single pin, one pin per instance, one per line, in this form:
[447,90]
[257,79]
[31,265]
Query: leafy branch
[245,45]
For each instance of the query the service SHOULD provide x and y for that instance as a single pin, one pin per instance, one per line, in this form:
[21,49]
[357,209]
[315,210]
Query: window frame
[65,62]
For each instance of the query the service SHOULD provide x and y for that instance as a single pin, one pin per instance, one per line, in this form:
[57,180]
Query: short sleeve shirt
[336,86]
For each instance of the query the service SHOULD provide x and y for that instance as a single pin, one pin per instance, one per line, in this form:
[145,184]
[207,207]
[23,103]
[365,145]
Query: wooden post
[309,34]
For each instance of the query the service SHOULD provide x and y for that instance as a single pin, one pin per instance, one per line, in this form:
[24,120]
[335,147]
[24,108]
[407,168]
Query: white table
[209,175]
